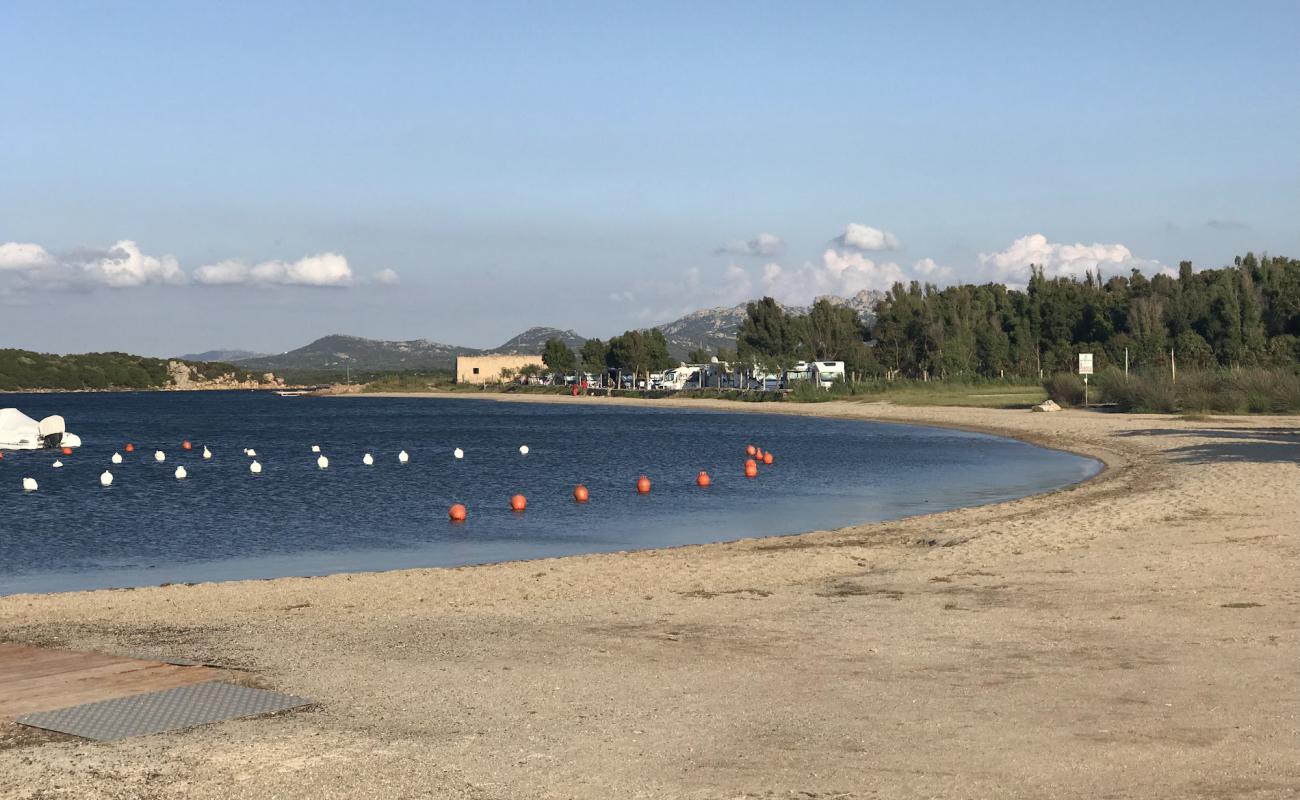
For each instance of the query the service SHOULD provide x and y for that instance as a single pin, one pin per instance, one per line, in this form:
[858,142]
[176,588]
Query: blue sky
[463,171]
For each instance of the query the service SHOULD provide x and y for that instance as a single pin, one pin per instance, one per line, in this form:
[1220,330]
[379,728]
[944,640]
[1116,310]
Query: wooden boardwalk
[40,679]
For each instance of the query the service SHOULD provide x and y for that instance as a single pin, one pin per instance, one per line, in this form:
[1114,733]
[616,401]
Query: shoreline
[1141,622]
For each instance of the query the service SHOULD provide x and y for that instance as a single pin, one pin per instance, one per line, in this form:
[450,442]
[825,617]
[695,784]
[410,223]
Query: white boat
[20,432]
[291,392]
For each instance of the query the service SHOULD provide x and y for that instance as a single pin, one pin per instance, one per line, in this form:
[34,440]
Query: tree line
[1247,314]
[1244,315]
[633,352]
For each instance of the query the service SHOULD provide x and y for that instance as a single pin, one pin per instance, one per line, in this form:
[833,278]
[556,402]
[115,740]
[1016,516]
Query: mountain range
[710,329]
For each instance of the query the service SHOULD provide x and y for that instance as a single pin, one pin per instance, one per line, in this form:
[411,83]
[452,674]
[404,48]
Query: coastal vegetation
[1253,390]
[25,370]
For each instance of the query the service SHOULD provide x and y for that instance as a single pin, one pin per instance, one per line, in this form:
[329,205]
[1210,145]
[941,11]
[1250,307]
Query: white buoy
[29,484]
[323,462]
[117,458]
[181,473]
[315,448]
[106,478]
[367,459]
[523,449]
[251,453]
[403,457]
[458,453]
[207,454]
[57,463]
[159,456]
[255,467]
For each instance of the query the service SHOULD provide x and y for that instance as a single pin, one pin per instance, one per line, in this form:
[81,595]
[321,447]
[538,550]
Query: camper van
[827,372]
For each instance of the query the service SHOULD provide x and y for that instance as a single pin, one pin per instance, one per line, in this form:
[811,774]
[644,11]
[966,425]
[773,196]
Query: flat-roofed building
[487,369]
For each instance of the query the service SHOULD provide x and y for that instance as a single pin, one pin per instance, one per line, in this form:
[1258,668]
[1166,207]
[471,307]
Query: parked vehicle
[827,372]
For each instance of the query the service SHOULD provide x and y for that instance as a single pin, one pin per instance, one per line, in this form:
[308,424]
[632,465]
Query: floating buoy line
[456,513]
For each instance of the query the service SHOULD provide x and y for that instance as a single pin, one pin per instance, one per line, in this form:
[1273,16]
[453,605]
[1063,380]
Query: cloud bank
[121,266]
[765,245]
[1011,265]
[125,266]
[326,269]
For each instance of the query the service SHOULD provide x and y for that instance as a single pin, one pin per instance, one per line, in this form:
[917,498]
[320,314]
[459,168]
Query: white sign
[1085,363]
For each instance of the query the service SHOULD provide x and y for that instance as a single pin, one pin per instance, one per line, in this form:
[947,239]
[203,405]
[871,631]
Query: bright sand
[1135,636]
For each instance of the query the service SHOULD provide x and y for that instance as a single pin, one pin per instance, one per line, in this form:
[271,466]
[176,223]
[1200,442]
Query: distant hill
[711,328]
[227,356]
[339,353]
[531,341]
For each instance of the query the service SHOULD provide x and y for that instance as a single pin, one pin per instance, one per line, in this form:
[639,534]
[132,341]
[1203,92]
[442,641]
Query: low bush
[1065,388]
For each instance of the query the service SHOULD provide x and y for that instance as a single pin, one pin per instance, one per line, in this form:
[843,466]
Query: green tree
[594,354]
[558,357]
[771,337]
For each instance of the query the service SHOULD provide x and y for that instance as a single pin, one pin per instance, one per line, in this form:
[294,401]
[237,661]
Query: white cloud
[930,270]
[1011,265]
[121,266]
[765,245]
[866,238]
[125,266]
[839,273]
[21,256]
[325,269]
[387,277]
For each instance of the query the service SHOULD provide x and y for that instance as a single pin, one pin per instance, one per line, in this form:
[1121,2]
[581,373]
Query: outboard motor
[51,430]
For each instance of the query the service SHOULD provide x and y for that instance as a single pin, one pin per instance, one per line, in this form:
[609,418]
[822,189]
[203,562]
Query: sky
[178,177]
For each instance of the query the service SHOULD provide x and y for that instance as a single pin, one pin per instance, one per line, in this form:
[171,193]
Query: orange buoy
[643,485]
[750,450]
[767,458]
[702,480]
[456,513]
[751,468]
[130,448]
[581,494]
[518,503]
[758,453]
[67,451]
[185,445]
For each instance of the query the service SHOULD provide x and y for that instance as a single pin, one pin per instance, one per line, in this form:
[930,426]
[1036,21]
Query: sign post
[1085,369]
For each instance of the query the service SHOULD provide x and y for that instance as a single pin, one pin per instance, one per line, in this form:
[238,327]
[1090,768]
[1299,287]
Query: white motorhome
[827,372]
[679,378]
[801,371]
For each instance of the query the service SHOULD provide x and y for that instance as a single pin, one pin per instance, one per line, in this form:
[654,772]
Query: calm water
[224,523]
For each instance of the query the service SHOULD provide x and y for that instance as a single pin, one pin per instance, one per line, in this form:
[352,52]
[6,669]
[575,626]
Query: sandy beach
[1133,636]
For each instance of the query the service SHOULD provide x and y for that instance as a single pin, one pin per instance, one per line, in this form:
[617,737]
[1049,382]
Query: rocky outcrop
[188,377]
[1046,405]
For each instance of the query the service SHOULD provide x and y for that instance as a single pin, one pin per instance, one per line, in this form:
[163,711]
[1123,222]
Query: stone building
[487,369]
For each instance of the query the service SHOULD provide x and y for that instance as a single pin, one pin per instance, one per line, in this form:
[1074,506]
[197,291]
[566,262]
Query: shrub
[1267,391]
[1065,388]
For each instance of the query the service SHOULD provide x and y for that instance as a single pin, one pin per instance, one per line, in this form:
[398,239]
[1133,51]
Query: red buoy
[67,451]
[581,494]
[456,513]
[750,450]
[703,480]
[518,503]
[767,458]
[751,468]
[643,485]
[130,448]
[185,445]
